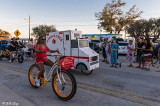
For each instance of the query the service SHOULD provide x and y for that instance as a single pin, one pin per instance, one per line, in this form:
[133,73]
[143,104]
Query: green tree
[42,30]
[113,19]
[145,28]
[136,29]
[4,34]
[156,31]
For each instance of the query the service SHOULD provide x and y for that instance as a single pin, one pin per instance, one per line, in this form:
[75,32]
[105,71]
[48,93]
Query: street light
[29,25]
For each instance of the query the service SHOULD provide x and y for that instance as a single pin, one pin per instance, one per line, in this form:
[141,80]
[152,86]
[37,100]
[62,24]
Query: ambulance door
[75,49]
[67,44]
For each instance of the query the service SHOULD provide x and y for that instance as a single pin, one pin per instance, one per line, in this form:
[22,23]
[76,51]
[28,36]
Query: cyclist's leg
[41,67]
[11,54]
[49,63]
[31,53]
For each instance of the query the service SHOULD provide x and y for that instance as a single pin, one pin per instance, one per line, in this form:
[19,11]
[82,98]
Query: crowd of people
[144,48]
[16,44]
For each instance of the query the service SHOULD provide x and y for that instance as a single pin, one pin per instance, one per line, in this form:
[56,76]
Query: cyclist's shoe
[10,61]
[37,81]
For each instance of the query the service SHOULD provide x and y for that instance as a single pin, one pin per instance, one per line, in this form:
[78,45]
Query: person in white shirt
[31,46]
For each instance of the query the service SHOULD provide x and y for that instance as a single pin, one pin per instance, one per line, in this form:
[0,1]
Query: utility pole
[29,26]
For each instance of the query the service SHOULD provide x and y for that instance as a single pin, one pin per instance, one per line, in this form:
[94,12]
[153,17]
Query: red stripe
[72,56]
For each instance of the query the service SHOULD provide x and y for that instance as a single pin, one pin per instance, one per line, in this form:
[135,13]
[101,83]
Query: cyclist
[13,47]
[41,57]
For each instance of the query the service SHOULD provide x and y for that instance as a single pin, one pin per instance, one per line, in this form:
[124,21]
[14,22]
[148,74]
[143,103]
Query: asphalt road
[104,87]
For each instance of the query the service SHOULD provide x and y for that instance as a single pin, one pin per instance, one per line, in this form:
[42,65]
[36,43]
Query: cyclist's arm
[52,51]
[12,45]
[37,49]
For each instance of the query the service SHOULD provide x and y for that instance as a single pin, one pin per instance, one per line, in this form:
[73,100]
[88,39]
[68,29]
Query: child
[114,49]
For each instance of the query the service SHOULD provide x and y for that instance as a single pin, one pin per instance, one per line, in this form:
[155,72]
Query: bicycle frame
[48,76]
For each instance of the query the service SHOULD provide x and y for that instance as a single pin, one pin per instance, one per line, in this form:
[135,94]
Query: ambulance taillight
[60,32]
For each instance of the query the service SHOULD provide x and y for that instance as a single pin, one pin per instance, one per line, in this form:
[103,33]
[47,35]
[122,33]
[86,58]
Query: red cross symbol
[53,41]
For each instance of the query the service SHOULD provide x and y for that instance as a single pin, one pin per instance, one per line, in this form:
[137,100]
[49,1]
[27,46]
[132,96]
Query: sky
[64,14]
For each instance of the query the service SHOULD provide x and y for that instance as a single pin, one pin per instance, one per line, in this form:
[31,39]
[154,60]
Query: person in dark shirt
[13,47]
[146,49]
[103,51]
[139,52]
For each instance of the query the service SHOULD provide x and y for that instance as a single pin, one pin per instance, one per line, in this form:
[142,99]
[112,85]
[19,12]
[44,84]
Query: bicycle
[60,77]
[27,55]
[17,55]
[4,54]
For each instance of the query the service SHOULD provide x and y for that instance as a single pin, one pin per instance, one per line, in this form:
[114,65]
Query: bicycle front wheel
[64,85]
[20,58]
[34,70]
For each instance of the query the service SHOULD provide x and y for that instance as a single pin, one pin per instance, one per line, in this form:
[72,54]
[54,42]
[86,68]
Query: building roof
[99,34]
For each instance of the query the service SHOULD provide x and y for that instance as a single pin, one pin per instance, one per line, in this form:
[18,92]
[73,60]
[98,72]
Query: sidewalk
[10,98]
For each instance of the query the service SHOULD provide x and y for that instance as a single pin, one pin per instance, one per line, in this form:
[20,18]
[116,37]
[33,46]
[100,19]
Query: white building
[100,36]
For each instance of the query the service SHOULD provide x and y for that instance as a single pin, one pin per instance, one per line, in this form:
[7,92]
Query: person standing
[146,49]
[31,47]
[107,49]
[103,50]
[139,52]
[8,45]
[130,54]
[114,37]
[114,49]
[158,49]
[13,47]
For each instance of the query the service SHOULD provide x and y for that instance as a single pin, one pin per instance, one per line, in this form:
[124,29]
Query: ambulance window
[76,35]
[67,37]
[83,43]
[74,43]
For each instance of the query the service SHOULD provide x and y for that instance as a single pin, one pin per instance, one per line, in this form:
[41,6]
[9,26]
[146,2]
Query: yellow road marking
[120,92]
[114,95]
[97,87]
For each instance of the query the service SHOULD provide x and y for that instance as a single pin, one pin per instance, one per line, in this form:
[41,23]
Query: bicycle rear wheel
[64,85]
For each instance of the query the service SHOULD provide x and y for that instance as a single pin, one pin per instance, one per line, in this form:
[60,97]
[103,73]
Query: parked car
[94,47]
[120,39]
[3,44]
[97,42]
[122,47]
